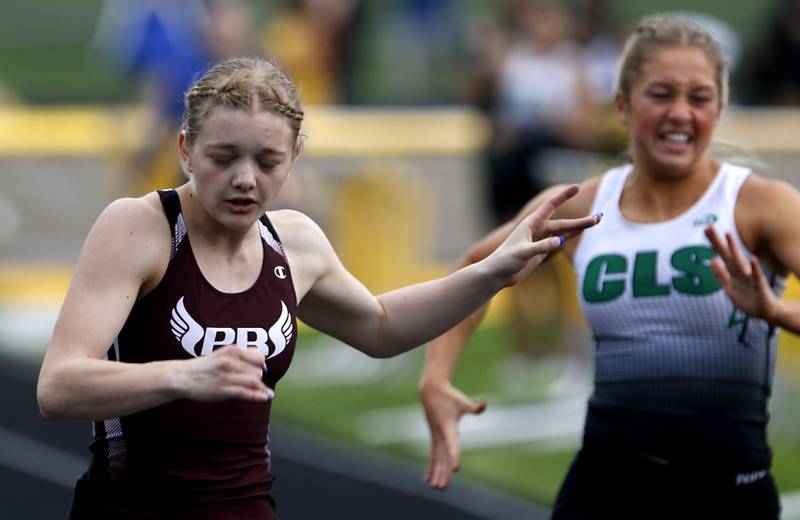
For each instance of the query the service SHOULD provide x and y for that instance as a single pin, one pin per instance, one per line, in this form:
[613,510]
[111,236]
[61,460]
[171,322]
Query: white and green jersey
[678,368]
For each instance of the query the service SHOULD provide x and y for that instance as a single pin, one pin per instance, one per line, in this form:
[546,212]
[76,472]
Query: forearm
[443,352]
[788,316]
[94,389]
[417,314]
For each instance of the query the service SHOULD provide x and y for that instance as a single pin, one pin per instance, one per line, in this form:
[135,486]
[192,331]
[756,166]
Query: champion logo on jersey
[705,220]
[190,334]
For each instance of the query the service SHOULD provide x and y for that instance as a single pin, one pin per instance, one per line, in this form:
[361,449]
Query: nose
[681,109]
[244,177]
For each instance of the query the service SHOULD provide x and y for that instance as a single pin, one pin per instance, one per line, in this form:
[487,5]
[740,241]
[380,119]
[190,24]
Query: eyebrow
[233,147]
[668,85]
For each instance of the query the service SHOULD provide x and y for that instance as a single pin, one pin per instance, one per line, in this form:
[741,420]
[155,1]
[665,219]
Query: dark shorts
[619,484]
[122,499]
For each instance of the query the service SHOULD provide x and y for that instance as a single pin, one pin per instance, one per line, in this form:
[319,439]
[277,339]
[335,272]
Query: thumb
[476,407]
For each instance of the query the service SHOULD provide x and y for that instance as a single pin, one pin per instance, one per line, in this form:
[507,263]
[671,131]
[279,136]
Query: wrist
[492,279]
[173,380]
[432,382]
[777,314]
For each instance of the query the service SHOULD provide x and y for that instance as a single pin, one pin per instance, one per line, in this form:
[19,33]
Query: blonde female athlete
[677,424]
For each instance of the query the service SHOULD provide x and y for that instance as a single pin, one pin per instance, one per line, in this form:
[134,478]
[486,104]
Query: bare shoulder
[763,199]
[132,235]
[756,187]
[136,212]
[295,229]
[134,219]
[766,212]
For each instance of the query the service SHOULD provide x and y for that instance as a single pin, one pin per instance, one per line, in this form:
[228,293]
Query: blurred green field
[530,470]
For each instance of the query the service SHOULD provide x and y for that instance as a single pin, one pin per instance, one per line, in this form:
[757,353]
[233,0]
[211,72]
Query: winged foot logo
[269,342]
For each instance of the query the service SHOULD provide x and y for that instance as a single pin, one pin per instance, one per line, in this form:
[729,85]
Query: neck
[653,196]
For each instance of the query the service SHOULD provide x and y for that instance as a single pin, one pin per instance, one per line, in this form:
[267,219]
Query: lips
[240,205]
[675,142]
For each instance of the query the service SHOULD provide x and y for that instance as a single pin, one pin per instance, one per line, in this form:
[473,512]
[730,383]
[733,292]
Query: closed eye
[701,97]
[269,166]
[660,95]
[221,160]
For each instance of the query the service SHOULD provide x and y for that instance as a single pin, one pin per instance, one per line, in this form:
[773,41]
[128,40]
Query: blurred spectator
[598,36]
[542,101]
[164,47]
[311,40]
[228,29]
[530,75]
[775,75]
[412,55]
[488,39]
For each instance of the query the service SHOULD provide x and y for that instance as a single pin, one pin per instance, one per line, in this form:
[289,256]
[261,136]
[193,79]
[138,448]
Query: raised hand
[230,372]
[742,280]
[444,406]
[537,236]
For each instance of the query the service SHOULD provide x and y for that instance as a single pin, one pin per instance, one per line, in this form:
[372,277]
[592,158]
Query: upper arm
[124,250]
[771,231]
[330,298]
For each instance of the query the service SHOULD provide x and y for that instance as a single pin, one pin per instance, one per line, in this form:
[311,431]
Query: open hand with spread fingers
[536,236]
[742,280]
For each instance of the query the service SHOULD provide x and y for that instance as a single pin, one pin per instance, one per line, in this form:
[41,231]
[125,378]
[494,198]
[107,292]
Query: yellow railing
[381,218]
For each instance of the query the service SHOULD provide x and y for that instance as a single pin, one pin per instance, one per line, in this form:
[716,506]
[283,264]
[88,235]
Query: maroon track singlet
[191,459]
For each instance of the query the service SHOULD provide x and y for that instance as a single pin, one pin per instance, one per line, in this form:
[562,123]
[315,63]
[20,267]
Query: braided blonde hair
[246,84]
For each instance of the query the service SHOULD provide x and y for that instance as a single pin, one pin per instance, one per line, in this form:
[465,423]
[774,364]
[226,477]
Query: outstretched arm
[399,320]
[444,404]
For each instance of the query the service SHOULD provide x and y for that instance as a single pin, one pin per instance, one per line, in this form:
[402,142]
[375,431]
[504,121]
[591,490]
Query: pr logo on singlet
[190,334]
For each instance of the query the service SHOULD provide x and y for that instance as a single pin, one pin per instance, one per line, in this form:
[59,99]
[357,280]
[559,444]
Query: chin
[239,222]
[674,166]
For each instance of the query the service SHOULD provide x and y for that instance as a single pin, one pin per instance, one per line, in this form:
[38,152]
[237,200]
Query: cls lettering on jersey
[606,275]
[269,342]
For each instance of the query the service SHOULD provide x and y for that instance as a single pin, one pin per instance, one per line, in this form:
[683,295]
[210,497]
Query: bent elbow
[378,354]
[48,405]
[375,349]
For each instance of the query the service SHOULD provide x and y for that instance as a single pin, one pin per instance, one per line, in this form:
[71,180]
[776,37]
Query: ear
[298,147]
[722,106]
[183,149]
[622,108]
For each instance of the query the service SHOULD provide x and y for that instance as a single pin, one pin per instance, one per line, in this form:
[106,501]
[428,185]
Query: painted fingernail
[265,367]
[598,216]
[561,241]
